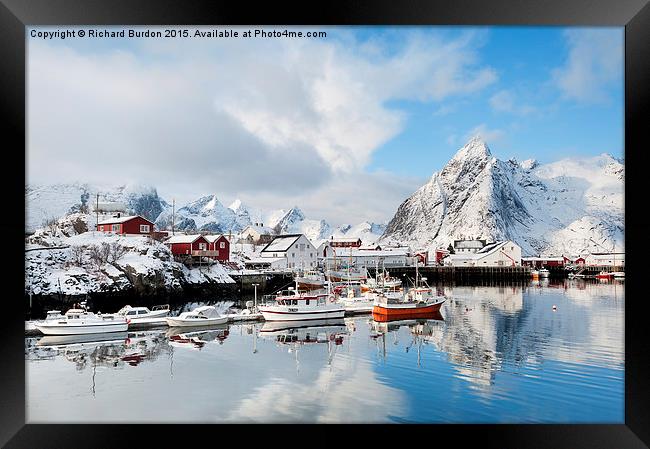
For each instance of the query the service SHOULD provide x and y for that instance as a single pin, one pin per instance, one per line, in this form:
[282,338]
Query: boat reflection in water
[111,349]
[196,339]
[296,334]
[423,330]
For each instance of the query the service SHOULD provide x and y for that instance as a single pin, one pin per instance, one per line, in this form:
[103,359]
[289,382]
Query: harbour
[491,353]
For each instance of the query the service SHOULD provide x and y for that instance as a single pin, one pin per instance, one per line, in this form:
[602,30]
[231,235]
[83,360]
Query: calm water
[495,355]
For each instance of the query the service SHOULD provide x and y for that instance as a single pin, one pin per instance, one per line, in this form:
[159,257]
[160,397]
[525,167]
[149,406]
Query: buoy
[554,307]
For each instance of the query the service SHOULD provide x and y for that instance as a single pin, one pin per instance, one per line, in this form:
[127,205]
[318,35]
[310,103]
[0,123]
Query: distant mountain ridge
[206,213]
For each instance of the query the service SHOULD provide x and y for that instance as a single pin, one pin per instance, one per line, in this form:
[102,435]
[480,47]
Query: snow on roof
[213,238]
[281,243]
[542,258]
[183,238]
[121,219]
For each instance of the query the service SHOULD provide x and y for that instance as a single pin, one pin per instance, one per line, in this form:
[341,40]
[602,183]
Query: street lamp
[255,285]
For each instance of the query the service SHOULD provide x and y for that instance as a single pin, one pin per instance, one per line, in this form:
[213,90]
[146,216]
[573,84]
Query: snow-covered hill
[46,202]
[571,206]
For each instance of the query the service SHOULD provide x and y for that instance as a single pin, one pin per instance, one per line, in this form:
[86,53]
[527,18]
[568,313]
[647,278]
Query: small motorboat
[619,274]
[144,315]
[544,273]
[534,274]
[81,321]
[201,316]
[604,275]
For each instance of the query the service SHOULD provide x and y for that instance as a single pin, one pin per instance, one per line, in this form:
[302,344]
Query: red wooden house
[132,224]
[221,245]
[188,245]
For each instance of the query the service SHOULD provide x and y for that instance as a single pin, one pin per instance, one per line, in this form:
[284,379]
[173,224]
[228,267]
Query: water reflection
[493,354]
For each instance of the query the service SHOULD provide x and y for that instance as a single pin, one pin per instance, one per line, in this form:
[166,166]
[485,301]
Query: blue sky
[281,122]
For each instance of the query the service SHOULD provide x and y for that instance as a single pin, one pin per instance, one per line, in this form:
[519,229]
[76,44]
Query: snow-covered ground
[73,264]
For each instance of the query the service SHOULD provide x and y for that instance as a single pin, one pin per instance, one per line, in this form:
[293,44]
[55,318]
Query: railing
[161,307]
[205,253]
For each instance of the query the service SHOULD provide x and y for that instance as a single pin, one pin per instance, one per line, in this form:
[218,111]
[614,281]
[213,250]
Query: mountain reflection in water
[493,354]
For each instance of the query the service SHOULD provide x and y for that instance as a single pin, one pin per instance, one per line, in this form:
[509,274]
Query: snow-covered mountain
[368,232]
[204,214]
[45,202]
[571,206]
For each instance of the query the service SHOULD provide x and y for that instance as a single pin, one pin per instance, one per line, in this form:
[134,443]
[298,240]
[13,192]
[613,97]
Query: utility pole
[97,212]
[173,204]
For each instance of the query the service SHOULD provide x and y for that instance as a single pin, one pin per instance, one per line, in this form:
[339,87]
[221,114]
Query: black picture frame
[634,15]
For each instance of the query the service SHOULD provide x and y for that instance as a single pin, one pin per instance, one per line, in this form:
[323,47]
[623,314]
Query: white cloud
[594,64]
[238,117]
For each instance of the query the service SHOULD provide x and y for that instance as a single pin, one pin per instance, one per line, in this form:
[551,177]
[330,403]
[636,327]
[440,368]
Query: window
[311,254]
[131,312]
[222,244]
[293,254]
[116,228]
[296,246]
[144,228]
[307,301]
[202,246]
[302,247]
[295,302]
[101,228]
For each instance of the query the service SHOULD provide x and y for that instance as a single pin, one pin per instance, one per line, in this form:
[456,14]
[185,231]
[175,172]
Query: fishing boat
[619,274]
[544,273]
[201,316]
[81,321]
[534,274]
[420,301]
[604,275]
[293,305]
[310,280]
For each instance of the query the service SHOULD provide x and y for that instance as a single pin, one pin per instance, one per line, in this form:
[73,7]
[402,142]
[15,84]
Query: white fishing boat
[350,274]
[543,273]
[310,280]
[81,321]
[30,326]
[293,305]
[201,316]
[619,274]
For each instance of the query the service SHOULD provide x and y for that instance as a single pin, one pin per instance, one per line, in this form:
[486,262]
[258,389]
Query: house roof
[345,240]
[214,238]
[488,249]
[116,220]
[184,238]
[281,243]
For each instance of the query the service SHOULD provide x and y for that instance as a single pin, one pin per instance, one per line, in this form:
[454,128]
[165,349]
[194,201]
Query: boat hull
[81,329]
[282,314]
[175,322]
[404,311]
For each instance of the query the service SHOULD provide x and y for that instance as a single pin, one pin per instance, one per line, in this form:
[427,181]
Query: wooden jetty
[444,273]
